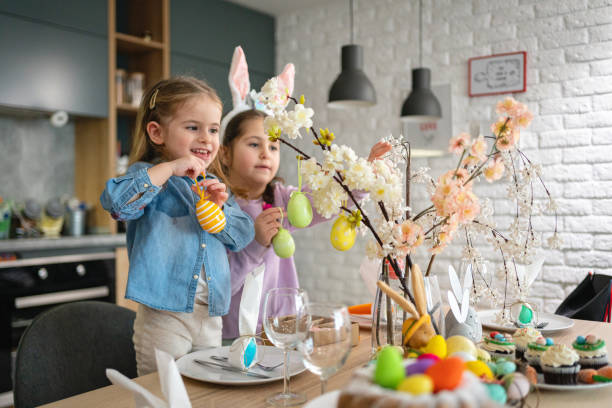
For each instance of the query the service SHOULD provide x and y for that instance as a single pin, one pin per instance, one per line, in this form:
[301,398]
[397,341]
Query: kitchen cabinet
[204,34]
[48,67]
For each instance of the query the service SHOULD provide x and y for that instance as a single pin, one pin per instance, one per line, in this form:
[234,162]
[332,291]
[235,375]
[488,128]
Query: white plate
[555,322]
[363,320]
[271,356]
[578,387]
[327,400]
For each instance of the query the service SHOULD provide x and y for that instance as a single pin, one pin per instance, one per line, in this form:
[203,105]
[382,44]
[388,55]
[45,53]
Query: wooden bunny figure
[462,321]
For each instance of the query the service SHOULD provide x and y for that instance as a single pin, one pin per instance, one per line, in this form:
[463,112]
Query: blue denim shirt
[166,245]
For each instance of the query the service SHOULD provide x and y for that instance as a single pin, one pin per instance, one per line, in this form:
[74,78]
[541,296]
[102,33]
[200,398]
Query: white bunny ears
[460,295]
[240,85]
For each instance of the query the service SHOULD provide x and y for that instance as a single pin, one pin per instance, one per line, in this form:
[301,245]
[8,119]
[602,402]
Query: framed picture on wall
[497,74]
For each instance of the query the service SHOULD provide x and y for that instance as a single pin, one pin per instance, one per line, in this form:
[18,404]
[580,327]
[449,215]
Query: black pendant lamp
[352,88]
[421,105]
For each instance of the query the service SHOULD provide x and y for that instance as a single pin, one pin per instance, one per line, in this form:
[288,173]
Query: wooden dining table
[203,394]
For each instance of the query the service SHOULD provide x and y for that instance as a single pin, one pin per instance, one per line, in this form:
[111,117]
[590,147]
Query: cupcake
[592,351]
[499,346]
[560,365]
[535,350]
[522,337]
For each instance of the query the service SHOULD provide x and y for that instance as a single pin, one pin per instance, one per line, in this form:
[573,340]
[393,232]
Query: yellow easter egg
[210,216]
[437,346]
[460,343]
[479,368]
[483,355]
[342,235]
[416,384]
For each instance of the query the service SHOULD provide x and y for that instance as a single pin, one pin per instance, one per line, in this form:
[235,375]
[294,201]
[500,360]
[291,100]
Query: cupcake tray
[576,387]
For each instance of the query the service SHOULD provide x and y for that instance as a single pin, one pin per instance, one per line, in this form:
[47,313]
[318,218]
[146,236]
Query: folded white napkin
[172,386]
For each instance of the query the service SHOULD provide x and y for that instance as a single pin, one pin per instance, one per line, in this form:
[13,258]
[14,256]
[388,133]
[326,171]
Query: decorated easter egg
[283,243]
[429,356]
[479,369]
[517,386]
[505,367]
[419,367]
[437,346]
[483,355]
[416,384]
[299,210]
[460,343]
[497,393]
[210,216]
[343,233]
[446,374]
[389,371]
[526,315]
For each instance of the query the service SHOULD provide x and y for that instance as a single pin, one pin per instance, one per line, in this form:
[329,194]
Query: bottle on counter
[52,218]
[5,218]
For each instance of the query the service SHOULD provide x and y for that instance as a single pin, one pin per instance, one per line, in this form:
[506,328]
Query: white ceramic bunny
[462,319]
[240,85]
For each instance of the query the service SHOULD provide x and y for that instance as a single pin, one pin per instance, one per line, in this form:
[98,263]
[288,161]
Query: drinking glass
[328,341]
[435,307]
[286,321]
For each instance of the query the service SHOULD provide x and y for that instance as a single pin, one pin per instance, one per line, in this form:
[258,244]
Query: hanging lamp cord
[351,15]
[420,33]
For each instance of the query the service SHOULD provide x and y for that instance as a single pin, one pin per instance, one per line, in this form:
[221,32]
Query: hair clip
[152,101]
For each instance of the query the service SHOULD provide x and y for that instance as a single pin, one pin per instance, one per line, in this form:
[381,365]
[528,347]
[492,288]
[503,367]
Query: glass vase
[387,317]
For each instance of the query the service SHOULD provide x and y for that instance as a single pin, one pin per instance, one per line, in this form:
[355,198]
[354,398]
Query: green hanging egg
[283,243]
[299,210]
[526,315]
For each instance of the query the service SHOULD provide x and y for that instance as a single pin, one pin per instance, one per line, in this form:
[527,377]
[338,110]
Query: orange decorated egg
[210,216]
[446,374]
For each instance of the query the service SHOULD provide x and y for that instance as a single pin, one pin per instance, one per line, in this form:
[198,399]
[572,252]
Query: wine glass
[328,341]
[285,321]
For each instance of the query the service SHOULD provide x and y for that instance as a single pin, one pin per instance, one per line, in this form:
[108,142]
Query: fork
[259,365]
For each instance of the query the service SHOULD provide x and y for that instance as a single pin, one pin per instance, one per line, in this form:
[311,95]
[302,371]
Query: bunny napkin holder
[462,320]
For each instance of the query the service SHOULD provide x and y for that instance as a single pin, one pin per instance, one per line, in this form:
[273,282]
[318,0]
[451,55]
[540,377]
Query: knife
[229,368]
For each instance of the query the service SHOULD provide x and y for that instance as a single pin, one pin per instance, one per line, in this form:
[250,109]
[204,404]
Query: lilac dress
[279,272]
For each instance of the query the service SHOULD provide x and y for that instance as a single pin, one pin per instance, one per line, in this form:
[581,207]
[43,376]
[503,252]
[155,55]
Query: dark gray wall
[54,56]
[204,34]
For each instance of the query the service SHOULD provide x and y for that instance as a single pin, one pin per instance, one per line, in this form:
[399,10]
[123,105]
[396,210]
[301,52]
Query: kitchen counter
[62,243]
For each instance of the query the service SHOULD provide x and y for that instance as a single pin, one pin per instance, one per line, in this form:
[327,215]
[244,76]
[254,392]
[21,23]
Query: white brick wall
[569,54]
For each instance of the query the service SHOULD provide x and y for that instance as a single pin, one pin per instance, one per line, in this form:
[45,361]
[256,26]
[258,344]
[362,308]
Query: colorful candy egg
[460,343]
[580,340]
[446,374]
[591,339]
[497,393]
[479,369]
[419,366]
[283,243]
[437,346]
[210,216]
[465,356]
[343,233]
[389,371]
[483,355]
[517,386]
[430,356]
[416,384]
[505,367]
[299,210]
[549,341]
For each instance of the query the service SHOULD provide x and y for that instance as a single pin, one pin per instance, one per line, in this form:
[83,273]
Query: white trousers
[173,332]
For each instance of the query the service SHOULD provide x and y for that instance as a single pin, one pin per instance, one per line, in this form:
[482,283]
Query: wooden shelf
[133,44]
[127,109]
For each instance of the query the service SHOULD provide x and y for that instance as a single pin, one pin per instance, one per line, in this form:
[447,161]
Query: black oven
[30,286]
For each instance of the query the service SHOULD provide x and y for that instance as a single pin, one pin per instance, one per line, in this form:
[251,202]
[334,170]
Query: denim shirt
[166,245]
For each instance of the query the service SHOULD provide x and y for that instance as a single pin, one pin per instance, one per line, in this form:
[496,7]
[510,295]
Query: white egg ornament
[299,210]
[344,231]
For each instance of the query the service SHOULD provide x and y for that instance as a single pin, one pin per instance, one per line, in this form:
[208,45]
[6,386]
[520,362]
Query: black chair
[66,350]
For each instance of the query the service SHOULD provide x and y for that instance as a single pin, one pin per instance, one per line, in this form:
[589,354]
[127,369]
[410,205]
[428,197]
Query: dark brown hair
[233,131]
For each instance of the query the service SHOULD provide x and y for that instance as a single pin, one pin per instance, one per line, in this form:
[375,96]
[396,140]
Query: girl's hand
[189,166]
[215,189]
[378,150]
[267,224]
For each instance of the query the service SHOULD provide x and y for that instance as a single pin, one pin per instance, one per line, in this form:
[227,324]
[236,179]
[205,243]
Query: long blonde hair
[159,104]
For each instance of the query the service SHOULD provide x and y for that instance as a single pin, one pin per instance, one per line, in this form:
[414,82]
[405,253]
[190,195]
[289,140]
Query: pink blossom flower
[459,143]
[410,235]
[494,171]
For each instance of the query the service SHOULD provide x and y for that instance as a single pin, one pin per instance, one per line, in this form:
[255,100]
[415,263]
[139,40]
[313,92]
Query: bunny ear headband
[240,85]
